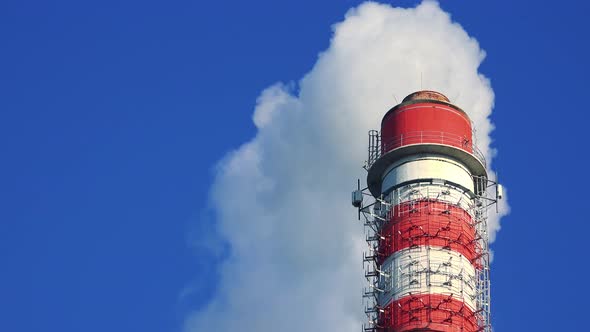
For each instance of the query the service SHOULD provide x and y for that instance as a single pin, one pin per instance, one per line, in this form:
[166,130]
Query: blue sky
[113,115]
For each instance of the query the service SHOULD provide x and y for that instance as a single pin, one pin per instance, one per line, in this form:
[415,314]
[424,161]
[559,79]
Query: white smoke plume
[283,199]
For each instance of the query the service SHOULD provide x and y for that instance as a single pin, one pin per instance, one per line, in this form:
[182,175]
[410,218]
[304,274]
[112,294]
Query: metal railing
[378,147]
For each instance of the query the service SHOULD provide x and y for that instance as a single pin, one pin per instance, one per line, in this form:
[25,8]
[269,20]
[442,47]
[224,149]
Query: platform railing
[378,147]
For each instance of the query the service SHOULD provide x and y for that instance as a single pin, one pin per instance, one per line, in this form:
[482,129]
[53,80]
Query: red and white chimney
[425,215]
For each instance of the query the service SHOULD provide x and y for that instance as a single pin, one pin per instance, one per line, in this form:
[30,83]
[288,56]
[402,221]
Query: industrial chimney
[425,215]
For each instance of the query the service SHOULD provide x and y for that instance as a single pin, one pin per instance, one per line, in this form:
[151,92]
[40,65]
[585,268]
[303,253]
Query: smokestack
[426,220]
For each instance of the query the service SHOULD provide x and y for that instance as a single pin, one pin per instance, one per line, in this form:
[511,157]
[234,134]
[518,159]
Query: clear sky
[113,115]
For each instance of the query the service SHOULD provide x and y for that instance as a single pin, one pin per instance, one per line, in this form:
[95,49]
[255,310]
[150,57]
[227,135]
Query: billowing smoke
[282,199]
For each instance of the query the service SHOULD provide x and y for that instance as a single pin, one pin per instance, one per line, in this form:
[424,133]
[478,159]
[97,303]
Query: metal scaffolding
[379,212]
